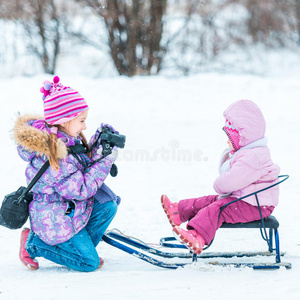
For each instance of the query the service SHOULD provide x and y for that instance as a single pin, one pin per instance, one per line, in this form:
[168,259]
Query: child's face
[74,127]
[230,145]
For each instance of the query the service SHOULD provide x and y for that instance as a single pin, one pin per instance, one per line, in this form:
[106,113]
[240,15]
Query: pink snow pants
[202,214]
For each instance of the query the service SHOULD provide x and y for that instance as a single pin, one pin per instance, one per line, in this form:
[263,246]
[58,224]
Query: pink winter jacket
[250,168]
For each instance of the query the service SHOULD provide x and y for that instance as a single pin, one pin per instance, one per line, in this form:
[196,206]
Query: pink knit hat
[233,135]
[61,103]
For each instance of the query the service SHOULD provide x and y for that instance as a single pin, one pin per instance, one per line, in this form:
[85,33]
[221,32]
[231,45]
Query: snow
[174,140]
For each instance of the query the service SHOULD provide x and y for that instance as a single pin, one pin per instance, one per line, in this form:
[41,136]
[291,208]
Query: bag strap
[36,177]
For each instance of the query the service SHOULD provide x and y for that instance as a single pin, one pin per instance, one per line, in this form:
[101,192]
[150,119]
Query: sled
[172,251]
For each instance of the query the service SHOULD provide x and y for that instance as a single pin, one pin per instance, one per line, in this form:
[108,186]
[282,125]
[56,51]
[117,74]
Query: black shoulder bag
[14,210]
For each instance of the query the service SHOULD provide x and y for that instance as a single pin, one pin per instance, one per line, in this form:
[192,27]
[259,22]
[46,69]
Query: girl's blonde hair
[53,144]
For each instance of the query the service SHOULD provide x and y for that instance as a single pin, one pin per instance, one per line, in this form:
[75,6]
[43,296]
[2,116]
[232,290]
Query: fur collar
[35,140]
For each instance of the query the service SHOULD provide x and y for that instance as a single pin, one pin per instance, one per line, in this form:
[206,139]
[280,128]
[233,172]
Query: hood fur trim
[35,140]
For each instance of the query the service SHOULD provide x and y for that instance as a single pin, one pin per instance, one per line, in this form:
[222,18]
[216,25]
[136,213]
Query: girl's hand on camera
[114,154]
[99,151]
[103,125]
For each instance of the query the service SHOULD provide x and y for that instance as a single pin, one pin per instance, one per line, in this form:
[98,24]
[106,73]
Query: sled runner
[172,250]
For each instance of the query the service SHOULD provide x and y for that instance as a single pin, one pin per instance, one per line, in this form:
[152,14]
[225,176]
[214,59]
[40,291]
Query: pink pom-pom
[56,79]
[42,90]
[47,86]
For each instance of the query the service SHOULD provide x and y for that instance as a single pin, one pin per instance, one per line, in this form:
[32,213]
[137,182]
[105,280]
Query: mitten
[108,126]
[113,156]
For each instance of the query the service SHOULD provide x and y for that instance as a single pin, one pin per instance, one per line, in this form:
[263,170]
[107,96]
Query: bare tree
[198,39]
[42,23]
[269,21]
[135,30]
[142,37]
[297,5]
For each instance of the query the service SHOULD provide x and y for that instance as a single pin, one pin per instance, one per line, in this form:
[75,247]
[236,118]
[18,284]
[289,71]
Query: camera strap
[95,143]
[35,179]
[80,148]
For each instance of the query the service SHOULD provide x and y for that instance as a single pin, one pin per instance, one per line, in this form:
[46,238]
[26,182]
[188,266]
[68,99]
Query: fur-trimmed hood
[35,140]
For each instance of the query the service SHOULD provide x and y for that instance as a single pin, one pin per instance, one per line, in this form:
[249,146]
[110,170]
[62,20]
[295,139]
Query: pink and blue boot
[25,258]
[171,210]
[190,238]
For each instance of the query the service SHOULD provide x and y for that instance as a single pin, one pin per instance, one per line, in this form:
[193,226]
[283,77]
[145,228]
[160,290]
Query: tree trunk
[135,31]
[297,3]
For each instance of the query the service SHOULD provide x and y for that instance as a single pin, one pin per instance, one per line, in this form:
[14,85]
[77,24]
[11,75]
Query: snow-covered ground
[174,139]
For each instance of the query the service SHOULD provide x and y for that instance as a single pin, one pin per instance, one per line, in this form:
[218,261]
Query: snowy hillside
[162,118]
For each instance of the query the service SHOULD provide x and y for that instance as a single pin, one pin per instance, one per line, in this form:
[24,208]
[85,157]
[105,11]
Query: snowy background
[163,117]
[174,141]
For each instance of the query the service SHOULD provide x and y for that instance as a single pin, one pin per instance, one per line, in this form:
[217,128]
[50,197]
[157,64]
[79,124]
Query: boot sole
[101,264]
[183,240]
[29,266]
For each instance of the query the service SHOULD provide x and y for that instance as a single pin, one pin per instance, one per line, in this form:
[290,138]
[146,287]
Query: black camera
[109,139]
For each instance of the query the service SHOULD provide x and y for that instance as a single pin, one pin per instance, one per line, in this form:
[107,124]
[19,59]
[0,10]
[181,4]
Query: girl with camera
[72,207]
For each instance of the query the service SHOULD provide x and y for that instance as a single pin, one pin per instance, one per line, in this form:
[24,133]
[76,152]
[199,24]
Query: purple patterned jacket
[53,191]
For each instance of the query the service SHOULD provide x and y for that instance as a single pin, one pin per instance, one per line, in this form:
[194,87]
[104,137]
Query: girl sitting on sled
[245,167]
